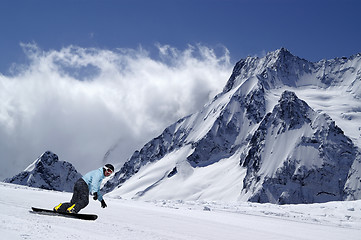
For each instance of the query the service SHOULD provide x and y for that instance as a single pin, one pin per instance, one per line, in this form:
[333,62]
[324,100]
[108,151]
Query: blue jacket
[94,179]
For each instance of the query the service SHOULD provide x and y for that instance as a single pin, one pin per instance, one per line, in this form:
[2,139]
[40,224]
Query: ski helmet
[109,166]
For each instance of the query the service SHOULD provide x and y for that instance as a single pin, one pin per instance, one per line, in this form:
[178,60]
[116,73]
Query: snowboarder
[89,183]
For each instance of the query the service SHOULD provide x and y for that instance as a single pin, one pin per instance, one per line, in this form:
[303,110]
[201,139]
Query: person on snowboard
[89,183]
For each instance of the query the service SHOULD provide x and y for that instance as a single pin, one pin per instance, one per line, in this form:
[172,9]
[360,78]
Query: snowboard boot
[56,208]
[71,209]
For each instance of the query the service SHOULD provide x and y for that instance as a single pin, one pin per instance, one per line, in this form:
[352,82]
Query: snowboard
[69,215]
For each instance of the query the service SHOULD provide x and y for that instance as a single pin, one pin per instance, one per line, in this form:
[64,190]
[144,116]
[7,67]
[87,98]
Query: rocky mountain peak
[48,172]
[47,158]
[285,53]
[292,110]
[275,69]
[281,55]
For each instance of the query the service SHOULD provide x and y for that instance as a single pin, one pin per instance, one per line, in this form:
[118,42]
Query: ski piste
[69,215]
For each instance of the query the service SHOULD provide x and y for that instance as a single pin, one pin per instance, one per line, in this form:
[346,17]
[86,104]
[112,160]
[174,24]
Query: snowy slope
[252,143]
[178,220]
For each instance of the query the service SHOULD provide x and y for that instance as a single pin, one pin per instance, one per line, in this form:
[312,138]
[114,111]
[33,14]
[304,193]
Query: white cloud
[78,102]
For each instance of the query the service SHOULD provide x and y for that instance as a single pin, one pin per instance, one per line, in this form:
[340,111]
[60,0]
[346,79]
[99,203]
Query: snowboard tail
[69,215]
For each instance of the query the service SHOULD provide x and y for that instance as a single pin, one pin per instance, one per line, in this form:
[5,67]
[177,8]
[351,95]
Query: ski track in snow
[178,220]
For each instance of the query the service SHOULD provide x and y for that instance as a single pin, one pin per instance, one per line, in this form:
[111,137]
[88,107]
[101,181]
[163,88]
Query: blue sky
[313,29]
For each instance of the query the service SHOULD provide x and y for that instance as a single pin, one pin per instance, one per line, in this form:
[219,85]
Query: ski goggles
[108,170]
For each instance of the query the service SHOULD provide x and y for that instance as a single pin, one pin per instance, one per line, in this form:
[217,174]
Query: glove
[95,196]
[104,205]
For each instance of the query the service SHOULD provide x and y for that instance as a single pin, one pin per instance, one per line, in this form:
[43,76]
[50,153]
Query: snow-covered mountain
[258,141]
[47,172]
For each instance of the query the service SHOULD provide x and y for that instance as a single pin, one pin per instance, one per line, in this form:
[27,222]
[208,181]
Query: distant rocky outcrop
[47,172]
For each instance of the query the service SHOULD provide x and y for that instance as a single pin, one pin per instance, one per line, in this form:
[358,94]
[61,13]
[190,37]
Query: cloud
[79,102]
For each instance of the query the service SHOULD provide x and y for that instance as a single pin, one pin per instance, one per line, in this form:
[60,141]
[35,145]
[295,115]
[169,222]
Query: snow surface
[156,220]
